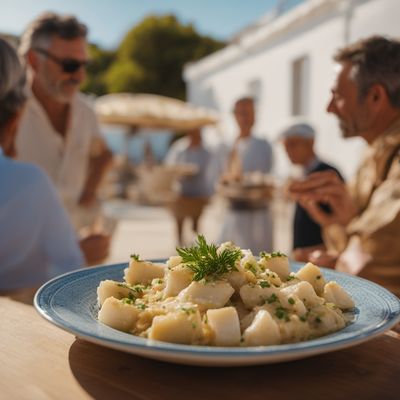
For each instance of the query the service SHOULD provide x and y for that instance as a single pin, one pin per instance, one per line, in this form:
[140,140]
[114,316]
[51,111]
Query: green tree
[151,57]
[101,61]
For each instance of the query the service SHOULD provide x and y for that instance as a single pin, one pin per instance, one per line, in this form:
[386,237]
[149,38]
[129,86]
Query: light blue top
[200,184]
[37,242]
[254,153]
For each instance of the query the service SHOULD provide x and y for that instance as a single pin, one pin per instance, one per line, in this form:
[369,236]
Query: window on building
[300,86]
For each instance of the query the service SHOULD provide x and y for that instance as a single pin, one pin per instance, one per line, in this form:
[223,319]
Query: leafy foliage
[205,261]
[101,60]
[150,58]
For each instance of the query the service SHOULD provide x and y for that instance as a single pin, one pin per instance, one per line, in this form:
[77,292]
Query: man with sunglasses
[59,130]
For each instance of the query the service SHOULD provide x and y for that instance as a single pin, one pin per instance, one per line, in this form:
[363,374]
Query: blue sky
[109,20]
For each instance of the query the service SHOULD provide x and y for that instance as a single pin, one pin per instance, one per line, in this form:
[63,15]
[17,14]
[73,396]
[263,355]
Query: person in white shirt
[59,131]
[37,239]
[247,224]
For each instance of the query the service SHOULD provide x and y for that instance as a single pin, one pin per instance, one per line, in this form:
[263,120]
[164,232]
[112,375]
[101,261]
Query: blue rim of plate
[377,310]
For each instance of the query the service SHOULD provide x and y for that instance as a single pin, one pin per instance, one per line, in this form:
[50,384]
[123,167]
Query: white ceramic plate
[70,302]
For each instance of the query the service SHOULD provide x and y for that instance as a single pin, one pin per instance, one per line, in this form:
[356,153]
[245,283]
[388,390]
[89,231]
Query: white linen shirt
[64,160]
[37,241]
[249,229]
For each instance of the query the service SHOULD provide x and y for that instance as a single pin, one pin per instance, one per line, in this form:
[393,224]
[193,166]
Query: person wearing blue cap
[298,140]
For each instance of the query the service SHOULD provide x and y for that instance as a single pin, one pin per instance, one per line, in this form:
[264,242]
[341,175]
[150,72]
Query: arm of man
[100,160]
[326,187]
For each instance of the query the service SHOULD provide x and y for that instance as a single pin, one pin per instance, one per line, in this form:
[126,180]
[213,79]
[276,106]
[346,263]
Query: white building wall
[270,64]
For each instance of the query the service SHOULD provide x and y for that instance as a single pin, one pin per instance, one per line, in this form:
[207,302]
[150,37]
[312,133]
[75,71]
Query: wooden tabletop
[41,361]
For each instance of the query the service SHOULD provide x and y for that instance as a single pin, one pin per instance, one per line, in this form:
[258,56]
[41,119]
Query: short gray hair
[12,83]
[376,60]
[41,30]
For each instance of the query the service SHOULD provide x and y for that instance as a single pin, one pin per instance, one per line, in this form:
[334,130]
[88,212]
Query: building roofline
[263,31]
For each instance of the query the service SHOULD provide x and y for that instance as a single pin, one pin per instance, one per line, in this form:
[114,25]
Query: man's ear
[32,59]
[377,96]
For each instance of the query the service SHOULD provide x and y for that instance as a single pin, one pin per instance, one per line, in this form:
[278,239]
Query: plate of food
[218,306]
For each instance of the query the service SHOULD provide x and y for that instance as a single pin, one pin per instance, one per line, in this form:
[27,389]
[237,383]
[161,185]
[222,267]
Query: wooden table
[40,361]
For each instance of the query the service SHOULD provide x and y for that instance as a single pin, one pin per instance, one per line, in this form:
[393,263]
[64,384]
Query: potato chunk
[143,272]
[263,331]
[118,315]
[207,295]
[324,320]
[294,329]
[305,292]
[224,323]
[109,288]
[312,274]
[255,295]
[334,293]
[181,326]
[276,263]
[177,279]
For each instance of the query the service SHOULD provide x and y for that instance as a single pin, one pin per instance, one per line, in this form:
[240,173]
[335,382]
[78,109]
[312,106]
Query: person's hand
[101,159]
[324,187]
[323,258]
[95,247]
[302,254]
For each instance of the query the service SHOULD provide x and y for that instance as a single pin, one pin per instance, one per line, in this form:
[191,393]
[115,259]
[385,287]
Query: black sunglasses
[68,65]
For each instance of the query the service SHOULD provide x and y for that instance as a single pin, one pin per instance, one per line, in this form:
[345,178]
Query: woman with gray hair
[37,240]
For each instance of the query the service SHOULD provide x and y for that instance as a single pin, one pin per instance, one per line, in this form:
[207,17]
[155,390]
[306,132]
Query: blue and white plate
[70,302]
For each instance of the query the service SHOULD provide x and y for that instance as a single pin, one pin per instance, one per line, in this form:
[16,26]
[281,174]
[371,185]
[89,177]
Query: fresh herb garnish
[264,284]
[136,289]
[291,300]
[250,267]
[282,313]
[272,299]
[136,257]
[203,259]
[274,254]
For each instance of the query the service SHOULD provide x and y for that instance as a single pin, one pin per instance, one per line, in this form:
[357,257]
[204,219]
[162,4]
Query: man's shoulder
[27,174]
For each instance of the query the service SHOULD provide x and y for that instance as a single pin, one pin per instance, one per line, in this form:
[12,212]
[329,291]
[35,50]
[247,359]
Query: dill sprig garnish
[205,261]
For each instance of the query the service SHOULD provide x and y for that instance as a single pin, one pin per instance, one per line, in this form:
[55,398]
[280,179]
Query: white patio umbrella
[152,111]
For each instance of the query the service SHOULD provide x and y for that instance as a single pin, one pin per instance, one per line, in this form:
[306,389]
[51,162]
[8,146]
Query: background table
[40,361]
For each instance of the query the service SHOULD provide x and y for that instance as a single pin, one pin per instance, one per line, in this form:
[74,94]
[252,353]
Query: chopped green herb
[290,278]
[194,326]
[264,284]
[274,254]
[282,313]
[127,300]
[136,257]
[251,268]
[204,260]
[291,300]
[141,306]
[188,311]
[272,299]
[303,318]
[318,319]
